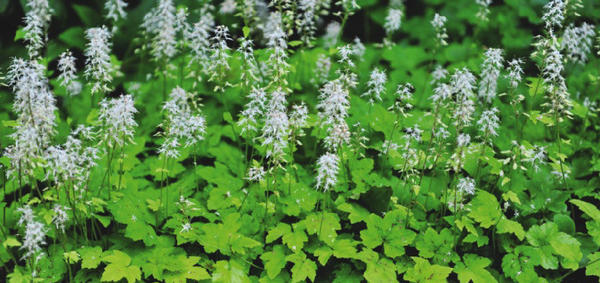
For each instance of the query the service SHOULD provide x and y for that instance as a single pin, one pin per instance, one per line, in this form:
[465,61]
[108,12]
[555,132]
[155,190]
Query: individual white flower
[60,217]
[256,174]
[376,85]
[438,24]
[489,122]
[484,9]
[515,72]
[490,71]
[393,20]
[37,20]
[327,170]
[98,67]
[577,42]
[227,7]
[117,118]
[115,9]
[186,227]
[466,185]
[554,14]
[66,67]
[160,23]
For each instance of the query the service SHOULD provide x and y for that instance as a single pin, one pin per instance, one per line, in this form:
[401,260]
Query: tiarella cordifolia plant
[300,141]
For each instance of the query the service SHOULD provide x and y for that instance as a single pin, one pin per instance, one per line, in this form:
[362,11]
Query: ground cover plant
[291,141]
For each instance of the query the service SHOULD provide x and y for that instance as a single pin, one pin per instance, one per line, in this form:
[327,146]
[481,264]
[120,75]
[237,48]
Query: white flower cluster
[160,23]
[333,108]
[60,216]
[182,124]
[35,233]
[219,57]
[253,111]
[577,42]
[276,128]
[249,74]
[393,20]
[463,85]
[553,67]
[515,72]
[117,119]
[115,10]
[34,105]
[465,186]
[322,69]
[298,118]
[72,162]
[484,9]
[489,122]
[256,174]
[376,85]
[37,20]
[198,36]
[402,102]
[97,63]
[554,14]
[490,71]
[438,24]
[67,76]
[327,170]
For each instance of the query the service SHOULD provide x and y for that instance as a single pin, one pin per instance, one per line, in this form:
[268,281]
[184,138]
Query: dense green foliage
[139,214]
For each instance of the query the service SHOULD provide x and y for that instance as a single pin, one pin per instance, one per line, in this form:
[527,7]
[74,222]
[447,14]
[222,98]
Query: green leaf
[485,209]
[119,268]
[588,208]
[303,268]
[382,270]
[71,257]
[473,269]
[277,232]
[73,37]
[568,247]
[396,240]
[246,31]
[229,271]
[90,257]
[423,271]
[138,230]
[512,227]
[593,267]
[87,15]
[274,261]
[323,224]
